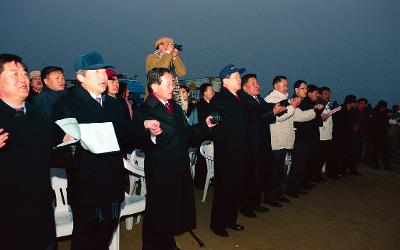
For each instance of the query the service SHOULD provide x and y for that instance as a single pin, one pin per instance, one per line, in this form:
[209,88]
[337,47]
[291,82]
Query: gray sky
[351,46]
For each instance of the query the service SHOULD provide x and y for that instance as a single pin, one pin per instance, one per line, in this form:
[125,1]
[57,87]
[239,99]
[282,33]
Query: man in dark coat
[231,152]
[170,206]
[96,186]
[265,173]
[26,214]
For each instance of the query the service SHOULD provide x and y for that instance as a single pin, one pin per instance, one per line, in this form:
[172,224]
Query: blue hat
[90,60]
[229,69]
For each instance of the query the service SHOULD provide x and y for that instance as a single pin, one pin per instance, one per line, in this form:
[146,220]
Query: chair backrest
[137,160]
[59,183]
[207,151]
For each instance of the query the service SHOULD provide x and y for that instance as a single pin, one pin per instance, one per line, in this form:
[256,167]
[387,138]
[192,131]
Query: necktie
[168,106]
[98,99]
[237,98]
[256,97]
[19,111]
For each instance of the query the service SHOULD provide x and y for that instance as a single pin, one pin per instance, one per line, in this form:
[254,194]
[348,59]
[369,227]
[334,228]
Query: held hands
[278,108]
[295,102]
[3,138]
[209,123]
[324,117]
[153,126]
[318,106]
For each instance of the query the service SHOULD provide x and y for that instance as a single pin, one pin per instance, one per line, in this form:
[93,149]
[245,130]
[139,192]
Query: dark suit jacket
[231,144]
[98,178]
[170,203]
[25,189]
[261,115]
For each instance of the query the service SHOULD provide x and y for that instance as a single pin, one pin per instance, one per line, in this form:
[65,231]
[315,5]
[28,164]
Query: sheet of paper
[99,138]
[334,111]
[70,126]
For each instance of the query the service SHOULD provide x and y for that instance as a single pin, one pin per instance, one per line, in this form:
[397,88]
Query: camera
[178,46]
[216,118]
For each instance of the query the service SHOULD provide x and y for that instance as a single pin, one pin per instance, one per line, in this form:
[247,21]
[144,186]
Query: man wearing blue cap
[96,180]
[231,152]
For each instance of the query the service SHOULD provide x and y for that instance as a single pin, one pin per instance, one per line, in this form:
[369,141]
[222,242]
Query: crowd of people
[253,137]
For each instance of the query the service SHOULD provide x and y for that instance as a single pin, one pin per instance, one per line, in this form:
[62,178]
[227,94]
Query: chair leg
[114,245]
[129,223]
[206,187]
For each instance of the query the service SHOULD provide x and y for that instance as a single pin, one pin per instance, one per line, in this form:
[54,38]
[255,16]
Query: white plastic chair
[131,205]
[193,160]
[207,151]
[136,166]
[62,211]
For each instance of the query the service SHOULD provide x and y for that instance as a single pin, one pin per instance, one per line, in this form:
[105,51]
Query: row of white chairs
[131,205]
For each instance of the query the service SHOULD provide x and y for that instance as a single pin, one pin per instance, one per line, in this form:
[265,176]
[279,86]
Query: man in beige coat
[166,56]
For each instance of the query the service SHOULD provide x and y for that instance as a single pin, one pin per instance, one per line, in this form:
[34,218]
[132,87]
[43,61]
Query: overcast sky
[352,46]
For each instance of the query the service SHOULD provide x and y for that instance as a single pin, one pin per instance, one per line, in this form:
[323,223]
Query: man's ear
[154,87]
[80,78]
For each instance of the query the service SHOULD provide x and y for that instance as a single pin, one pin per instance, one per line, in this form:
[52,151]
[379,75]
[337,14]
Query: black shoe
[293,195]
[355,173]
[236,227]
[283,199]
[248,213]
[261,209]
[220,232]
[302,192]
[274,203]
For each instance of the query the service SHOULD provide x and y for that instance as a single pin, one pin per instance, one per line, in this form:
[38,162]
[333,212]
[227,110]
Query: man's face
[233,82]
[301,91]
[55,81]
[208,93]
[313,95]
[14,83]
[94,81]
[362,105]
[184,93]
[326,95]
[112,86]
[36,83]
[166,45]
[252,87]
[281,86]
[164,90]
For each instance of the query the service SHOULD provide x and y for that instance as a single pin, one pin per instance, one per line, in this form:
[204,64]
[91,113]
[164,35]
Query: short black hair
[350,99]
[204,87]
[154,77]
[322,89]
[298,83]
[278,79]
[46,71]
[184,87]
[7,58]
[362,99]
[246,78]
[311,88]
[395,107]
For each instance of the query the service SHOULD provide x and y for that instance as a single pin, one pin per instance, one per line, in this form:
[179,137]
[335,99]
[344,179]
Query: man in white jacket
[282,132]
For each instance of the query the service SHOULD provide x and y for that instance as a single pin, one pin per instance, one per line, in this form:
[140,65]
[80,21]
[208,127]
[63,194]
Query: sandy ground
[350,213]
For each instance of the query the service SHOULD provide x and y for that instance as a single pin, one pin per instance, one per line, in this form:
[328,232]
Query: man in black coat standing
[26,214]
[231,152]
[265,177]
[96,183]
[170,206]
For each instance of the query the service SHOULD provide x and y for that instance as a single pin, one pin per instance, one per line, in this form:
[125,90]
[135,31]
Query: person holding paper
[96,186]
[170,206]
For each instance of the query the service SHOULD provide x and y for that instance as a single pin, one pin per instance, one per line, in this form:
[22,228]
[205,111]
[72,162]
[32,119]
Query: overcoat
[98,179]
[170,205]
[26,212]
